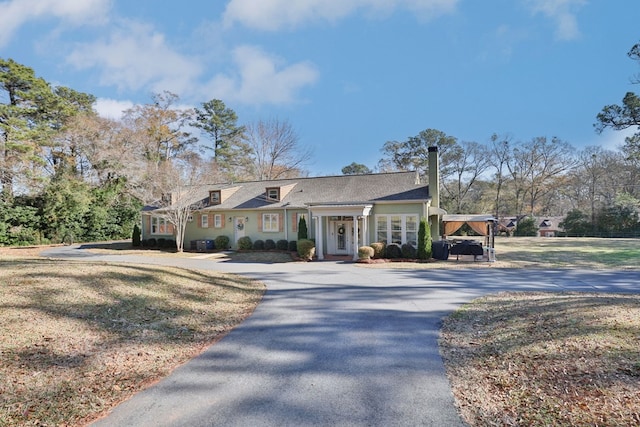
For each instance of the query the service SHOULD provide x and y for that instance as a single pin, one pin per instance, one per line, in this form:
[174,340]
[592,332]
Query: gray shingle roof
[343,189]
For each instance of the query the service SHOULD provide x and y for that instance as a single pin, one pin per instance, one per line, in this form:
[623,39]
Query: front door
[238,226]
[341,237]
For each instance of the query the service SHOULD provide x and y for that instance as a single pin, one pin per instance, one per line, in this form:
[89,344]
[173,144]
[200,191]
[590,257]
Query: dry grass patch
[77,337]
[548,359]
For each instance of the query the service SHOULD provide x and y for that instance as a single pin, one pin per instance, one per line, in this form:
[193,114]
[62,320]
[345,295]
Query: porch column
[319,238]
[355,237]
[365,230]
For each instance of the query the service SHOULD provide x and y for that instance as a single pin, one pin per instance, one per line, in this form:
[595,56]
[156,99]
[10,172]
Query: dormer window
[214,197]
[273,193]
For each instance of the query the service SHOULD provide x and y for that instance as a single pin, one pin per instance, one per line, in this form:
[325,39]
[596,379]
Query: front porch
[341,229]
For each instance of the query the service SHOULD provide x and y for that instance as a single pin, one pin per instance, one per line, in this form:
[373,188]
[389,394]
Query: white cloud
[273,15]
[15,13]
[137,57]
[614,139]
[111,108]
[262,79]
[563,12]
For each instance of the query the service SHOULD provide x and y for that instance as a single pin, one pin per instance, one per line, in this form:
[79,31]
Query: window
[411,230]
[273,193]
[204,221]
[214,197]
[271,223]
[217,221]
[381,229]
[398,229]
[160,225]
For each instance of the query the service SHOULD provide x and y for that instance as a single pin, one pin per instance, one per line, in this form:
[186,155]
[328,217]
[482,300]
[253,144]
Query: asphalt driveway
[332,344]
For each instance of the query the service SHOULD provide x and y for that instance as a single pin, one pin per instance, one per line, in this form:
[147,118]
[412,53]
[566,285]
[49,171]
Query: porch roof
[339,209]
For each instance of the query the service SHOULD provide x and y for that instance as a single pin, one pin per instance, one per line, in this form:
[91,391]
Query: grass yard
[544,359]
[79,337]
[549,359]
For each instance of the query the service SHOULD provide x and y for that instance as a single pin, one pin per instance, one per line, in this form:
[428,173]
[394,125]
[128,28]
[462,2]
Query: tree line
[68,173]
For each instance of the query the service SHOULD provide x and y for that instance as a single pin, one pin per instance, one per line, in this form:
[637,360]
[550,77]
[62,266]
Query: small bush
[408,251]
[135,236]
[293,246]
[378,249]
[365,252]
[269,245]
[161,241]
[152,243]
[168,244]
[393,251]
[245,243]
[258,245]
[282,245]
[145,243]
[306,249]
[222,242]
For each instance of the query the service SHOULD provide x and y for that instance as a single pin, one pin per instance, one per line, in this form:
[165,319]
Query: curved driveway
[332,344]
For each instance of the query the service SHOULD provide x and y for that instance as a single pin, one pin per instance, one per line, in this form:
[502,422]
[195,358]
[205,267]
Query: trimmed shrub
[135,236]
[282,245]
[152,242]
[302,228]
[145,243]
[306,249]
[269,245]
[393,251]
[378,249]
[222,242]
[425,250]
[245,243]
[293,246]
[408,251]
[365,252]
[161,241]
[168,244]
[258,245]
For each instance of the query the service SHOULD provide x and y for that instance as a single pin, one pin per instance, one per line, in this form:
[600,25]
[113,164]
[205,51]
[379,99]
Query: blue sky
[348,75]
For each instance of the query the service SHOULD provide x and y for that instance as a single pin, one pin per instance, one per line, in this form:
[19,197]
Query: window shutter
[210,222]
[294,226]
[280,222]
[222,220]
[148,225]
[259,222]
[197,219]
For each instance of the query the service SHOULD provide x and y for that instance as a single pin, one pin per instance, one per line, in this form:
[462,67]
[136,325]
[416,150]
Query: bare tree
[534,166]
[498,156]
[468,161]
[276,150]
[180,183]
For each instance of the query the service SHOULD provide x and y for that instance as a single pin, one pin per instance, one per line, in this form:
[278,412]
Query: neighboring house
[547,226]
[342,212]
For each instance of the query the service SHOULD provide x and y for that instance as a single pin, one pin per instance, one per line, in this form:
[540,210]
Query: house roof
[302,192]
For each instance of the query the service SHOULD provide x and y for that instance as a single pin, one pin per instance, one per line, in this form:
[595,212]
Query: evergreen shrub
[222,242]
[378,249]
[245,243]
[306,249]
[393,251]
